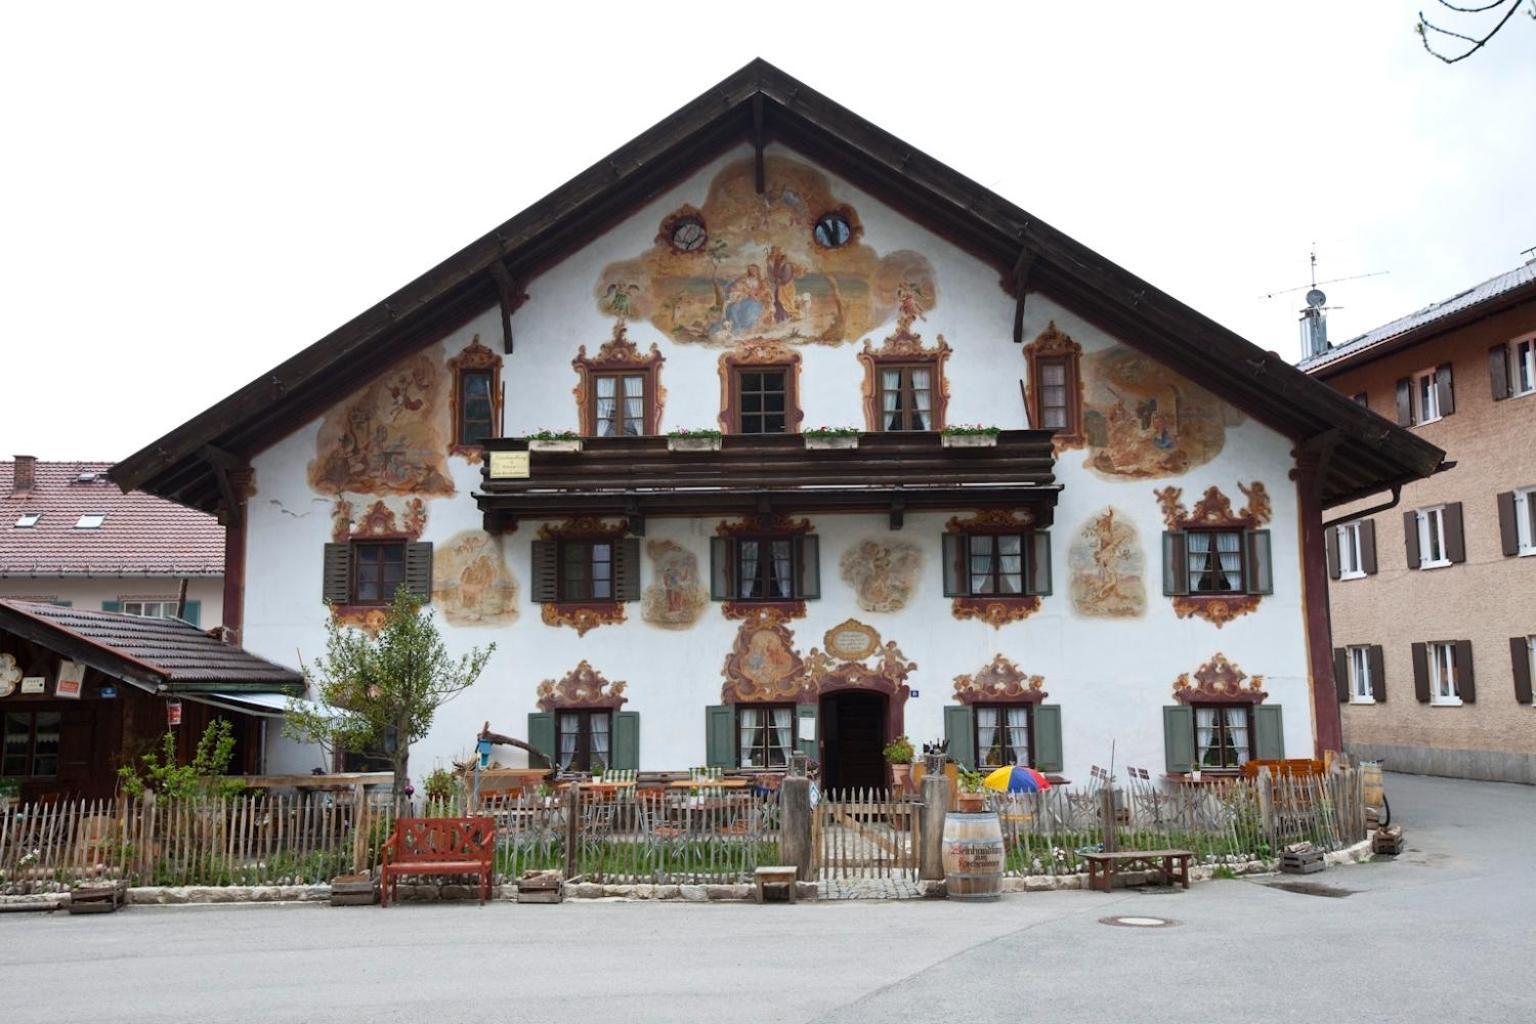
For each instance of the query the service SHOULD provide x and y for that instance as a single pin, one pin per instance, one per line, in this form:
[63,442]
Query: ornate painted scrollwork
[999,681]
[1218,681]
[619,354]
[581,687]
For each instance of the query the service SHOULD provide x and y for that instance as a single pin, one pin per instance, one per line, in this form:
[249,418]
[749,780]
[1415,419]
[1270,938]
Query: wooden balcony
[766,474]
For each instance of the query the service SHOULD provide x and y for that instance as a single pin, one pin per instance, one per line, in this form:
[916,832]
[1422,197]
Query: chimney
[25,477]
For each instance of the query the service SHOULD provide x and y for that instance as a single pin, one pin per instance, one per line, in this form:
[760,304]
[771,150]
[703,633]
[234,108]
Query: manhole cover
[1312,889]
[1137,922]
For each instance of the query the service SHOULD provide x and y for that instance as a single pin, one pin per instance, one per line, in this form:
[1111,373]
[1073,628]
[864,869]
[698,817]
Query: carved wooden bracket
[1218,681]
[1000,681]
[510,298]
[581,687]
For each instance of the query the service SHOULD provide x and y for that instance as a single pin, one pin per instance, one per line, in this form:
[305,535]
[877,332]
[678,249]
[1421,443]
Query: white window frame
[1424,519]
[27,520]
[1351,562]
[1522,360]
[91,521]
[1442,674]
[1426,397]
[1360,675]
[1525,520]
[163,609]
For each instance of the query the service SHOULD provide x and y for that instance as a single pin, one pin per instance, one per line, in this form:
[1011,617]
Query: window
[1003,735]
[586,570]
[584,737]
[1054,402]
[477,407]
[1215,562]
[1053,396]
[1351,564]
[1222,734]
[1523,353]
[1426,397]
[1205,563]
[31,744]
[906,398]
[91,521]
[832,231]
[1360,691]
[761,401]
[765,567]
[1431,526]
[688,234]
[765,735]
[28,520]
[368,572]
[619,405]
[150,609]
[378,568]
[997,564]
[1442,674]
[1525,521]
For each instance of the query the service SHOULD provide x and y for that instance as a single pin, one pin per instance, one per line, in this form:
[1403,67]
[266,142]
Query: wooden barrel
[973,856]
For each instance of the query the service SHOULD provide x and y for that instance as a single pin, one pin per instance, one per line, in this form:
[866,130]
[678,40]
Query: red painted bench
[439,846]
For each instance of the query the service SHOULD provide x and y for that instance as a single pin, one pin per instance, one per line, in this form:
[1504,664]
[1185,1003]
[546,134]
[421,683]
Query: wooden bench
[439,846]
[1102,867]
[776,880]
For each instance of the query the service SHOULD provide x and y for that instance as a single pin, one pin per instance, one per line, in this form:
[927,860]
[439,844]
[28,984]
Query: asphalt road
[1443,934]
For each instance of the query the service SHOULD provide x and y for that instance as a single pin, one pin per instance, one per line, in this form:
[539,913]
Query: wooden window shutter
[1039,563]
[625,751]
[1269,732]
[1405,402]
[1447,393]
[541,735]
[1341,673]
[117,606]
[805,738]
[193,613]
[626,571]
[960,731]
[1411,538]
[808,579]
[1509,526]
[336,585]
[720,736]
[1368,546]
[545,571]
[1175,564]
[1179,738]
[1466,681]
[418,569]
[1498,371]
[1047,752]
[1261,576]
[954,565]
[1333,552]
[1376,658]
[1421,673]
[1455,534]
[722,565]
[1520,658]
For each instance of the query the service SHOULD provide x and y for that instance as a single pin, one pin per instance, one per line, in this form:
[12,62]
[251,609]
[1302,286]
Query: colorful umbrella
[1016,779]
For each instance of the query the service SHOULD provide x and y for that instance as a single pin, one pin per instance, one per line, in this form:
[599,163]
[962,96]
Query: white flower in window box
[693,441]
[969,437]
[831,439]
[551,442]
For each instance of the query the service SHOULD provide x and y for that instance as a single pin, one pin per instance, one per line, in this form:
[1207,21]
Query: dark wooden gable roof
[759,104]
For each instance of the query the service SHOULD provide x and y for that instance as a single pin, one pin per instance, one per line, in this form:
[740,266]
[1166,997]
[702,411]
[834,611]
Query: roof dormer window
[91,521]
[28,520]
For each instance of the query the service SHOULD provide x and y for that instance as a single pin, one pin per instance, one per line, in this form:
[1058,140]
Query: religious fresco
[786,264]
[883,574]
[1108,568]
[471,582]
[1143,420]
[677,595]
[390,437]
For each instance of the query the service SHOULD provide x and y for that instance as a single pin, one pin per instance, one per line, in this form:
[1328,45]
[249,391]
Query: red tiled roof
[142,535]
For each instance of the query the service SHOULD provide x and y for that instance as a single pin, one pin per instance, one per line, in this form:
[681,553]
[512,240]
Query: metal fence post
[795,826]
[935,795]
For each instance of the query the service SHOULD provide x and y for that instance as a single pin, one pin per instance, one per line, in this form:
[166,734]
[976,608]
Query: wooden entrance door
[853,735]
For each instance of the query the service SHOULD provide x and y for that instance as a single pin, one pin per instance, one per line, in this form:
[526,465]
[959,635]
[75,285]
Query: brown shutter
[1455,535]
[1261,577]
[1421,673]
[1498,371]
[336,579]
[1333,552]
[1341,673]
[1368,546]
[545,571]
[955,576]
[1466,683]
[418,569]
[1509,527]
[808,558]
[1411,538]
[1405,402]
[626,569]
[1443,386]
[722,568]
[1520,658]
[1175,563]
[1376,658]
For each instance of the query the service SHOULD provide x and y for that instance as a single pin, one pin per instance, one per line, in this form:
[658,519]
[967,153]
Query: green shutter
[1261,576]
[1175,564]
[111,606]
[1269,733]
[544,558]
[954,565]
[720,736]
[625,751]
[418,569]
[1048,737]
[626,569]
[1179,737]
[336,574]
[541,735]
[808,550]
[806,713]
[193,612]
[960,731]
[1040,563]
[722,551]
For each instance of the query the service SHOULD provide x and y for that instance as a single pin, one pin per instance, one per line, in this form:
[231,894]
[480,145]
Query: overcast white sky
[190,196]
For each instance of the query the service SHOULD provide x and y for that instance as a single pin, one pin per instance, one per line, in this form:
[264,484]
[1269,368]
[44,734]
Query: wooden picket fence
[866,833]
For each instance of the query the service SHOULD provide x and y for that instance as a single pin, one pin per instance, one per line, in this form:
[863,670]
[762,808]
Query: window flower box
[969,440]
[830,442]
[695,443]
[562,444]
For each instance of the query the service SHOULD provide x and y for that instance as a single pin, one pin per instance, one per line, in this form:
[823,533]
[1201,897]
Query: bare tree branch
[1425,27]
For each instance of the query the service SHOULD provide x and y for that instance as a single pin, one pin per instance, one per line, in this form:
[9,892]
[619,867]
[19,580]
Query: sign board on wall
[34,684]
[173,712]
[509,465]
[71,680]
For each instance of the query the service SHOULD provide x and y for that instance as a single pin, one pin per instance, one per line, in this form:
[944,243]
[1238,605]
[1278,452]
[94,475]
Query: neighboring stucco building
[1133,557]
[1434,598]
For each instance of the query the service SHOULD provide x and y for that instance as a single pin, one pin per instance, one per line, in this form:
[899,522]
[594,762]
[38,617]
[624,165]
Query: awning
[267,705]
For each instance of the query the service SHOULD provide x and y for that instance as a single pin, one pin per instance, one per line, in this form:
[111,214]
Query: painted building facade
[1118,566]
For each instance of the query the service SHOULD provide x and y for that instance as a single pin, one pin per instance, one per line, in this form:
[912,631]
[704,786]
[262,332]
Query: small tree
[157,771]
[382,691]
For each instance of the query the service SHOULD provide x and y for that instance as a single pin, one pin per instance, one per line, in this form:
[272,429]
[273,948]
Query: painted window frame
[1223,730]
[386,596]
[906,395]
[462,422]
[1351,553]
[766,732]
[1426,396]
[995,555]
[766,568]
[621,378]
[588,582]
[29,757]
[1443,673]
[739,414]
[581,756]
[1522,364]
[1425,516]
[1010,753]
[1525,521]
[1360,682]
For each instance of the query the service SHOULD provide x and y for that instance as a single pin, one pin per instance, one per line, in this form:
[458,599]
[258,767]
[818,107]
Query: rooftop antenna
[1529,254]
[1314,320]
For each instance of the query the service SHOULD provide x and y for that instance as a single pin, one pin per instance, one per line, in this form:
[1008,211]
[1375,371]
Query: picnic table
[732,783]
[1102,867]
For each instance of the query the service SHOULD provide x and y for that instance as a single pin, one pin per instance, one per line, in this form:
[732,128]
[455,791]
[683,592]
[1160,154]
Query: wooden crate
[1302,862]
[540,887]
[354,891]
[1388,841]
[98,898]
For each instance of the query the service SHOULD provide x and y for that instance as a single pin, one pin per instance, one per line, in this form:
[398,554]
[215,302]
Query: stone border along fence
[672,844]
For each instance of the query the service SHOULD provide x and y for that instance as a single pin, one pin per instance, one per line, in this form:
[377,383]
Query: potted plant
[686,439]
[554,441]
[969,435]
[10,793]
[970,799]
[598,767]
[439,787]
[828,438]
[898,754]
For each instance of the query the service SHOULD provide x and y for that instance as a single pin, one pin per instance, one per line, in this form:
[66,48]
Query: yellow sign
[509,465]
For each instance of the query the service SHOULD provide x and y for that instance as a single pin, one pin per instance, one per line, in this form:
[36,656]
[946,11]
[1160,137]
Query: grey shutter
[1368,546]
[1411,538]
[541,735]
[1455,534]
[1040,563]
[1047,752]
[418,569]
[625,751]
[960,731]
[1332,546]
[808,580]
[804,713]
[626,571]
[1405,402]
[1269,733]
[1509,527]
[1261,576]
[1178,738]
[722,555]
[1175,564]
[1420,673]
[720,736]
[1446,392]
[193,612]
[1376,659]
[1520,659]
[545,571]
[1341,673]
[117,606]
[1498,371]
[1466,681]
[954,565]
[336,580]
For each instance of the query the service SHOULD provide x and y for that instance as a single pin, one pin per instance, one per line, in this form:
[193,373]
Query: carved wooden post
[1109,816]
[360,828]
[795,827]
[572,830]
[935,795]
